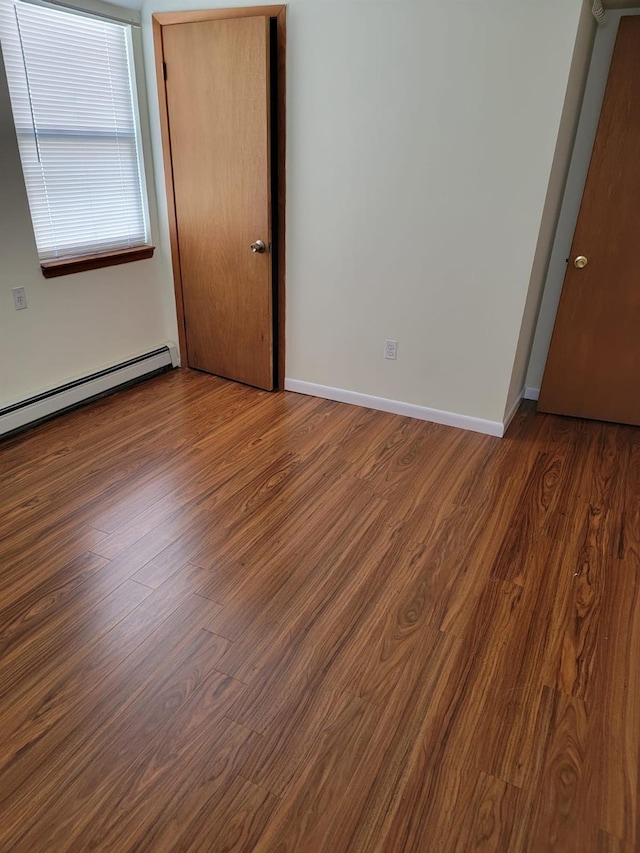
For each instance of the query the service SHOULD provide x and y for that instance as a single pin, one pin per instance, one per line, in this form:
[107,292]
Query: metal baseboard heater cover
[43,406]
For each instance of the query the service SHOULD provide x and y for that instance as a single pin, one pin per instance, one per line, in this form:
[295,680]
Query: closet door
[593,368]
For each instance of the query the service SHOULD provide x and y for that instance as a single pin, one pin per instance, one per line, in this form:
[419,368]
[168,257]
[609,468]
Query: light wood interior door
[218,103]
[593,367]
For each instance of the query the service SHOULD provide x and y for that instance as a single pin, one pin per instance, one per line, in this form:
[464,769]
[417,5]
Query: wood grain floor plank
[539,499]
[134,472]
[486,622]
[232,821]
[65,723]
[169,558]
[509,724]
[575,646]
[445,771]
[332,590]
[602,481]
[305,426]
[36,600]
[327,636]
[233,550]
[401,804]
[38,652]
[555,816]
[362,431]
[418,707]
[432,479]
[313,816]
[89,487]
[57,621]
[491,720]
[438,580]
[393,453]
[274,593]
[142,524]
[42,704]
[613,697]
[273,760]
[22,571]
[629,536]
[494,492]
[92,771]
[235,620]
[610,844]
[196,739]
[484,818]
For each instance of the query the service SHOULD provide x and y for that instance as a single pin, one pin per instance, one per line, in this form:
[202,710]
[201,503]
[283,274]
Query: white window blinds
[72,90]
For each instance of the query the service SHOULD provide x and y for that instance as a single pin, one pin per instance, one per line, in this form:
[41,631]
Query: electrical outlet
[19,298]
[390,349]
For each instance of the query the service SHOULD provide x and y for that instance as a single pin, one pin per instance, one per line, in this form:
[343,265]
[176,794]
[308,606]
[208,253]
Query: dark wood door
[593,367]
[218,85]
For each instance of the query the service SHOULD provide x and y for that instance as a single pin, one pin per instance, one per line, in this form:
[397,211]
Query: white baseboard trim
[43,406]
[396,407]
[530,393]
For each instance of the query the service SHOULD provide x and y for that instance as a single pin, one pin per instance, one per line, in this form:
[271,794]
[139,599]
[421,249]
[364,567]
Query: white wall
[421,137]
[594,93]
[555,193]
[74,324]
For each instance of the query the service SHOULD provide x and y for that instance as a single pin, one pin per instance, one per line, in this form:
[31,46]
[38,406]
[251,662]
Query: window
[72,87]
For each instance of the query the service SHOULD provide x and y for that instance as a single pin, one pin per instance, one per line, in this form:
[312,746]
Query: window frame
[74,263]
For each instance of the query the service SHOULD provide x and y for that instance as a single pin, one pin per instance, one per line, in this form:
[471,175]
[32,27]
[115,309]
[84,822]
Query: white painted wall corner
[510,415]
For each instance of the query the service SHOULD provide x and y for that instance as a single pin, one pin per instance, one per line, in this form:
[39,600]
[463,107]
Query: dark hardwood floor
[233,620]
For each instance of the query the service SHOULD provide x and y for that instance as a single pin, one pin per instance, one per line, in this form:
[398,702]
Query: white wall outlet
[390,349]
[19,298]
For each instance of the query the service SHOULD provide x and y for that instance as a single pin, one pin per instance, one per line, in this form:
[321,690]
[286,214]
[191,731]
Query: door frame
[279,14]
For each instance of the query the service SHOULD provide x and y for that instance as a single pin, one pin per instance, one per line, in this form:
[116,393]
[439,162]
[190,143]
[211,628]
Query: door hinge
[164,70]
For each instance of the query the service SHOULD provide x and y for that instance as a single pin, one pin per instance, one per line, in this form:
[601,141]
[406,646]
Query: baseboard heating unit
[43,406]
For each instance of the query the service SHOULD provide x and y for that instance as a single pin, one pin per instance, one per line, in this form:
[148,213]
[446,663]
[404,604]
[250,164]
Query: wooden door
[217,85]
[593,367]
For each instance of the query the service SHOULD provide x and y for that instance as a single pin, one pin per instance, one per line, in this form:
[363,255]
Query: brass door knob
[580,262]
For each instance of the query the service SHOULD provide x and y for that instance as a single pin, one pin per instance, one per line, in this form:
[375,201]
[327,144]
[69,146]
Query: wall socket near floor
[19,298]
[390,349]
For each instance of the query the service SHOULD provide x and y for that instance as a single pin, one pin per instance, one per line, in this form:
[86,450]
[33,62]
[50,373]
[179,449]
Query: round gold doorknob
[580,262]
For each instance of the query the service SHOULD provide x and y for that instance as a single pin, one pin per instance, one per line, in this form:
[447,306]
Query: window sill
[66,266]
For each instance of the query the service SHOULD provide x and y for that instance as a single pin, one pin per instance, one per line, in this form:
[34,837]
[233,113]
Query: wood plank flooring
[233,620]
